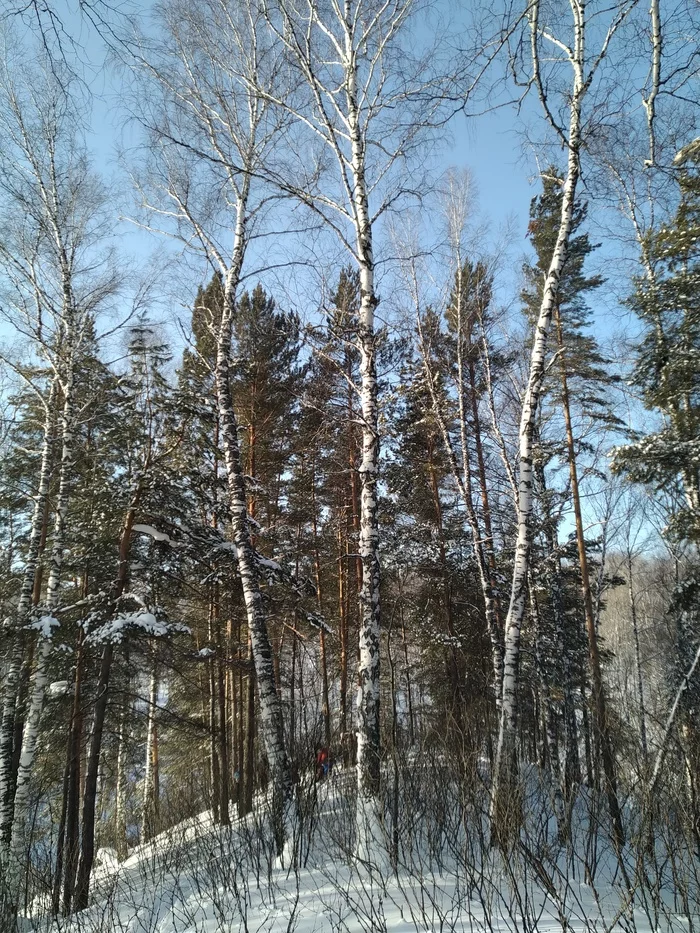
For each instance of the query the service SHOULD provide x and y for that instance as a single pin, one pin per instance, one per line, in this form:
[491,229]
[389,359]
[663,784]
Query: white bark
[649,102]
[14,856]
[583,71]
[52,251]
[120,798]
[663,745]
[216,79]
[25,602]
[342,53]
[368,738]
[507,727]
[150,802]
[272,726]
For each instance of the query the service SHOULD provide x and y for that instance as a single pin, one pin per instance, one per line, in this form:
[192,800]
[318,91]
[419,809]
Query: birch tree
[552,48]
[211,134]
[364,101]
[52,259]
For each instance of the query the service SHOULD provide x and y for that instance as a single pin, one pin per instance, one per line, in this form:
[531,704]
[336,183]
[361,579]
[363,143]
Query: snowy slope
[200,878]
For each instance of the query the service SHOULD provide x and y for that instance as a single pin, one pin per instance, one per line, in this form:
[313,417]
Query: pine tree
[330,407]
[666,370]
[667,302]
[418,478]
[580,365]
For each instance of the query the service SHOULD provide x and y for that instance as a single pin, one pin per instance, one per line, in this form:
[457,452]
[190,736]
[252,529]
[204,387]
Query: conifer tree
[668,377]
[331,409]
[583,377]
[418,477]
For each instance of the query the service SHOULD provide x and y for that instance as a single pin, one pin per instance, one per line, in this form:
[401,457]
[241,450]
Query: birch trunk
[39,679]
[150,801]
[121,843]
[323,660]
[249,749]
[505,752]
[270,706]
[12,677]
[343,584]
[649,102]
[14,855]
[368,737]
[637,656]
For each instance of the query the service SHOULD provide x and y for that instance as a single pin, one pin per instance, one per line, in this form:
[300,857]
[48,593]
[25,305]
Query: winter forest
[349,522]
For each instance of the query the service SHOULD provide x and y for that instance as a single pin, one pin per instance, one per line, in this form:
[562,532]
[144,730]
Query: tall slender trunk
[67,847]
[241,744]
[250,735]
[224,782]
[549,731]
[28,664]
[293,700]
[13,673]
[353,492]
[571,774]
[599,702]
[461,473]
[214,763]
[368,733]
[505,753]
[87,839]
[149,815]
[40,676]
[487,576]
[270,706]
[231,710]
[409,690]
[325,703]
[60,845]
[455,667]
[72,844]
[121,842]
[15,854]
[219,718]
[343,620]
[236,688]
[637,656]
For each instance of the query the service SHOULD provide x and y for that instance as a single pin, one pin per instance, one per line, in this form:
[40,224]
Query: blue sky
[490,146]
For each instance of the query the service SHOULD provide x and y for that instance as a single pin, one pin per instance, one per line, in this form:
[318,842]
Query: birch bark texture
[359,83]
[211,129]
[53,253]
[582,66]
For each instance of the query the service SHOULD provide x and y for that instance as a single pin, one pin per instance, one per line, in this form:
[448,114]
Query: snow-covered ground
[200,878]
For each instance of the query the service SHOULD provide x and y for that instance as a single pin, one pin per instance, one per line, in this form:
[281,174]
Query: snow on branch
[45,625]
[153,532]
[141,621]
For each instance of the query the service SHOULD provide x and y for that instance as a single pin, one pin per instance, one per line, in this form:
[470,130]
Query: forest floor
[201,878]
